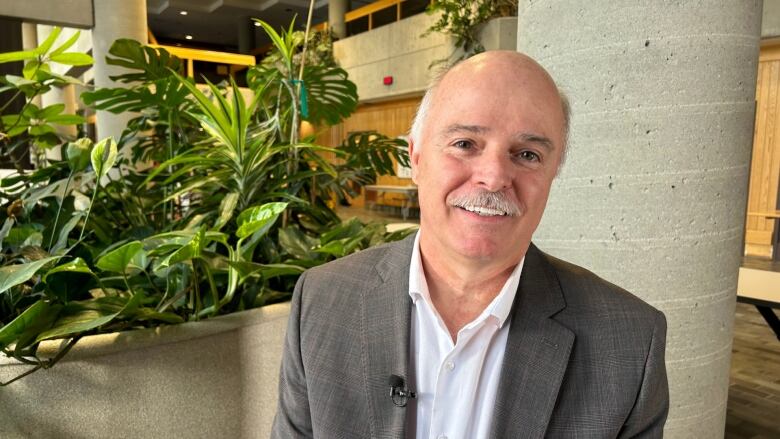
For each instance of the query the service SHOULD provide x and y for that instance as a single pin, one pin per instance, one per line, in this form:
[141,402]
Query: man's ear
[414,158]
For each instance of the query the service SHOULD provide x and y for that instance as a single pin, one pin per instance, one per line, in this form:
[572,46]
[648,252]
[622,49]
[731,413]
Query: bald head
[506,69]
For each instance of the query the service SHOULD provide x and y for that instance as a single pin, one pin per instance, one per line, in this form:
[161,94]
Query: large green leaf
[31,68]
[103,156]
[189,250]
[280,41]
[298,244]
[22,55]
[225,122]
[66,45]
[50,111]
[147,314]
[226,208]
[332,97]
[67,119]
[125,259]
[148,63]
[12,275]
[73,59]
[259,217]
[7,224]
[48,42]
[267,271]
[75,266]
[79,317]
[78,154]
[162,93]
[39,315]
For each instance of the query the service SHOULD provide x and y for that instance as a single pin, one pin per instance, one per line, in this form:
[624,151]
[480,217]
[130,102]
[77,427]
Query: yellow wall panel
[765,164]
[389,118]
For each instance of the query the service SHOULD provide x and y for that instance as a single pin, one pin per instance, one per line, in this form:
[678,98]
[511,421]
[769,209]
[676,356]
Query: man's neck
[460,288]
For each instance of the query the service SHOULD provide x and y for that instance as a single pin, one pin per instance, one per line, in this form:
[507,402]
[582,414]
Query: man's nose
[493,171]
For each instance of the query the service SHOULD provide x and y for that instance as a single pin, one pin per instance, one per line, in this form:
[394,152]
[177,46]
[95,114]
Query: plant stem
[89,208]
[13,98]
[151,282]
[212,288]
[59,209]
[195,298]
[127,284]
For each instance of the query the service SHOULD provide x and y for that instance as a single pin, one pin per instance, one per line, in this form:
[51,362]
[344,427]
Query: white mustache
[486,200]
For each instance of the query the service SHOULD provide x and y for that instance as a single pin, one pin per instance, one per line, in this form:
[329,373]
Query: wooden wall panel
[389,118]
[765,164]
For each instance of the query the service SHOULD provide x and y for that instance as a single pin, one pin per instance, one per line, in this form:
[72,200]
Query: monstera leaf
[154,72]
[166,93]
[330,96]
[151,63]
[326,95]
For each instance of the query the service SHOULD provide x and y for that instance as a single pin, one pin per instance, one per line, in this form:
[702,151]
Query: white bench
[409,192]
[759,285]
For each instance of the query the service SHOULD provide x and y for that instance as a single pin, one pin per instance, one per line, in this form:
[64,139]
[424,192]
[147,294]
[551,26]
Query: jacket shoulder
[356,267]
[584,291]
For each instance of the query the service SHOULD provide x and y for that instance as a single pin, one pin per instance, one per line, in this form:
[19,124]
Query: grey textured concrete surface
[653,194]
[114,19]
[770,23]
[73,13]
[336,12]
[216,378]
[400,50]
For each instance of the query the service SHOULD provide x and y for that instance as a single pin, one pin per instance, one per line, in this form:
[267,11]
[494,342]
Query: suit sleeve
[648,415]
[293,417]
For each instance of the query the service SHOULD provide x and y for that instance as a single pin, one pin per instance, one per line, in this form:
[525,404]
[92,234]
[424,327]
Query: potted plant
[213,213]
[463,19]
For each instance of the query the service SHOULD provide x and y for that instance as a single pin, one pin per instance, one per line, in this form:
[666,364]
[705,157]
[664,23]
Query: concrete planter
[211,379]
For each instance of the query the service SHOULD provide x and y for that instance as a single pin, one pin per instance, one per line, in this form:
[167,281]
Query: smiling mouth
[484,211]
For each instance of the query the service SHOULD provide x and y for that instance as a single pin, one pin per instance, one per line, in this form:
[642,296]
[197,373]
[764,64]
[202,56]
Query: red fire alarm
[387,80]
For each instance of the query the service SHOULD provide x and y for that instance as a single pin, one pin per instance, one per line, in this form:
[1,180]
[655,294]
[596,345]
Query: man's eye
[529,156]
[463,144]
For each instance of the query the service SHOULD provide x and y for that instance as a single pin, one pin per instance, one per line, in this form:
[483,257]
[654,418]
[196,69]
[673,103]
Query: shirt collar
[501,305]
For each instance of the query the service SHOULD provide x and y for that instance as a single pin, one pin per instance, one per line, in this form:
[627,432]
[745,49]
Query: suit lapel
[386,317]
[537,354]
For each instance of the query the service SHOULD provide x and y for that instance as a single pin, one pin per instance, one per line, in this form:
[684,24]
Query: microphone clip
[399,394]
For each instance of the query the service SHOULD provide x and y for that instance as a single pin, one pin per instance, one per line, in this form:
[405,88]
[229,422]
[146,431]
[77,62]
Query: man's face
[496,130]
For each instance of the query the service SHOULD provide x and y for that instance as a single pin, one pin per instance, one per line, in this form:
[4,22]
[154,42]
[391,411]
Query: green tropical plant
[218,207]
[34,124]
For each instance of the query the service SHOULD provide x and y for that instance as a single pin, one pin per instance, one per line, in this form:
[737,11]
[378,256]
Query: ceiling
[216,24]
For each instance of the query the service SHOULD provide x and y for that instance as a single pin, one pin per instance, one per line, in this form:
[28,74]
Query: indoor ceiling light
[257,23]
[182,12]
[188,37]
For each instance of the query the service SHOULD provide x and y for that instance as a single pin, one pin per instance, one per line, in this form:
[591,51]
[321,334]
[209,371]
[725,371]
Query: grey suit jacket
[584,358]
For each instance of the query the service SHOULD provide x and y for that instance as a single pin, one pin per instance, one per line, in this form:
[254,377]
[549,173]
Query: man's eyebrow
[457,128]
[479,129]
[536,138]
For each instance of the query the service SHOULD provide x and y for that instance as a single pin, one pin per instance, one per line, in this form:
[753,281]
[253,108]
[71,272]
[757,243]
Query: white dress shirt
[456,384]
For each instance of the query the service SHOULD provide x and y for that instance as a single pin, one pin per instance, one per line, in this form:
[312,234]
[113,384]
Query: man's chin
[481,249]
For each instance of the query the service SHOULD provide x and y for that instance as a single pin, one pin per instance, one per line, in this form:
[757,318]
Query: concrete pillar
[654,191]
[29,42]
[246,35]
[65,95]
[336,11]
[114,19]
[29,36]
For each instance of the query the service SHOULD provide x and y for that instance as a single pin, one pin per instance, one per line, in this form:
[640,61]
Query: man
[496,338]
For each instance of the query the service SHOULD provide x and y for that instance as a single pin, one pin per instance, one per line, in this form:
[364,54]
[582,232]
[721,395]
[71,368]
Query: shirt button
[449,365]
